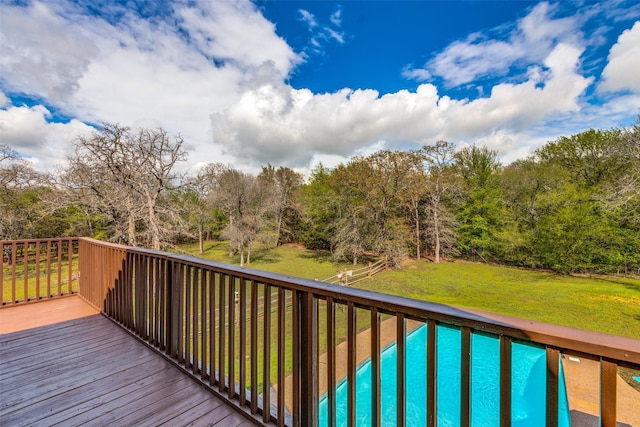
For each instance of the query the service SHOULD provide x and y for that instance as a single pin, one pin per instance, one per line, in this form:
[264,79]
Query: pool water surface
[528,384]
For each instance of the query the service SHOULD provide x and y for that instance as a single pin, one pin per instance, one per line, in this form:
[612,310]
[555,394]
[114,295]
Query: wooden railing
[33,270]
[231,328]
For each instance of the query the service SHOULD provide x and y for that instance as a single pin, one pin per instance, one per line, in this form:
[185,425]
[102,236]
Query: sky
[295,84]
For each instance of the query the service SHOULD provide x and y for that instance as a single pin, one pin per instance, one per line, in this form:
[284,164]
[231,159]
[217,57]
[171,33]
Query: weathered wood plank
[89,371]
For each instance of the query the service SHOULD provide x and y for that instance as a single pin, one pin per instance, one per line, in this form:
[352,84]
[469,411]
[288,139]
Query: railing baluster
[266,349]
[14,250]
[145,297]
[162,296]
[465,377]
[70,272]
[432,415]
[243,342]
[196,321]
[59,250]
[608,393]
[221,331]
[188,312]
[400,369]
[212,328]
[331,362]
[281,354]
[254,347]
[296,357]
[375,368]
[232,336]
[128,289]
[309,354]
[48,268]
[505,381]
[553,372]
[351,363]
[25,274]
[203,324]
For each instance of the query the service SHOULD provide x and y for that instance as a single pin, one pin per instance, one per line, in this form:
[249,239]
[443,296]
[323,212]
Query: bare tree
[127,175]
[247,204]
[199,197]
[21,189]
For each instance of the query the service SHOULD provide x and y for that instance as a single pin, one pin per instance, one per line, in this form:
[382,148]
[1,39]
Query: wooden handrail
[195,311]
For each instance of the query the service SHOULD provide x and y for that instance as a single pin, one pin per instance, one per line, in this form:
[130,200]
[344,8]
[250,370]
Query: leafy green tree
[318,208]
[482,210]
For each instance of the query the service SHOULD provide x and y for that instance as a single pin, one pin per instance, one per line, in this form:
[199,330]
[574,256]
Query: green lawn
[605,304]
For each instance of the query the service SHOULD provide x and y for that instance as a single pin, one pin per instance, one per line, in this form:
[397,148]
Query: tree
[280,185]
[319,209]
[413,194]
[198,198]
[128,175]
[247,204]
[481,212]
[441,184]
[21,192]
[371,216]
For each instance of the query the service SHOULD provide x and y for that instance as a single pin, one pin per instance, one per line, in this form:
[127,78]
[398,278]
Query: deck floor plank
[83,398]
[88,371]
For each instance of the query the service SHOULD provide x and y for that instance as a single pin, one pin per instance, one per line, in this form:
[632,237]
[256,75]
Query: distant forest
[572,207]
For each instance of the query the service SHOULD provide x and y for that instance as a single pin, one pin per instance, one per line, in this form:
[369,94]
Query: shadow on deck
[89,371]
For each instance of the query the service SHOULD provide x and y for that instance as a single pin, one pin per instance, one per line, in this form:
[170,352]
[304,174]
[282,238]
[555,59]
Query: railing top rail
[615,347]
[50,239]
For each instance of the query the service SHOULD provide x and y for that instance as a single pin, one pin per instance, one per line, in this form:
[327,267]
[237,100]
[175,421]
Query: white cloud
[237,32]
[622,71]
[336,17]
[419,74]
[281,125]
[27,130]
[308,18]
[321,33]
[480,55]
[40,55]
[131,69]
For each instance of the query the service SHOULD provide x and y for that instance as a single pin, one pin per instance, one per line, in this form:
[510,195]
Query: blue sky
[297,83]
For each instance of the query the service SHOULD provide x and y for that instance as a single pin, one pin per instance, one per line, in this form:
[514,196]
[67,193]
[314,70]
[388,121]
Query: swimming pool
[528,386]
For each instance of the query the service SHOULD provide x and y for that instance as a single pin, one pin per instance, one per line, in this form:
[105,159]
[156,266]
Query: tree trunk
[417,233]
[436,232]
[200,238]
[153,224]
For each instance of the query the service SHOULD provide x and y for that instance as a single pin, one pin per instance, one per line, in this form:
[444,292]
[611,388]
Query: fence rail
[351,277]
[33,270]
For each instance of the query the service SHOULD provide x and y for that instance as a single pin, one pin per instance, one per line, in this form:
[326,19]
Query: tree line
[572,206]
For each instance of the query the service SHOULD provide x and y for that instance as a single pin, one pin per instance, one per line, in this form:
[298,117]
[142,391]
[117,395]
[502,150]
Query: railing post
[172,312]
[309,359]
[608,394]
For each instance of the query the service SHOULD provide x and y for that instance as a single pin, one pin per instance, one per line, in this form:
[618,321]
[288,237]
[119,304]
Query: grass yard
[604,304]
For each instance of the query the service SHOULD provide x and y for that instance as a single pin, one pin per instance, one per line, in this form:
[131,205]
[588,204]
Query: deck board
[88,371]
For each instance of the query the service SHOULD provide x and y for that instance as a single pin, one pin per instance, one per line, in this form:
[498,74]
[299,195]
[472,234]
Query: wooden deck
[88,371]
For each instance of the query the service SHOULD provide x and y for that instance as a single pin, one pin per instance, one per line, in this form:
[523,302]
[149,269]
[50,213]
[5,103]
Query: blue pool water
[528,388]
